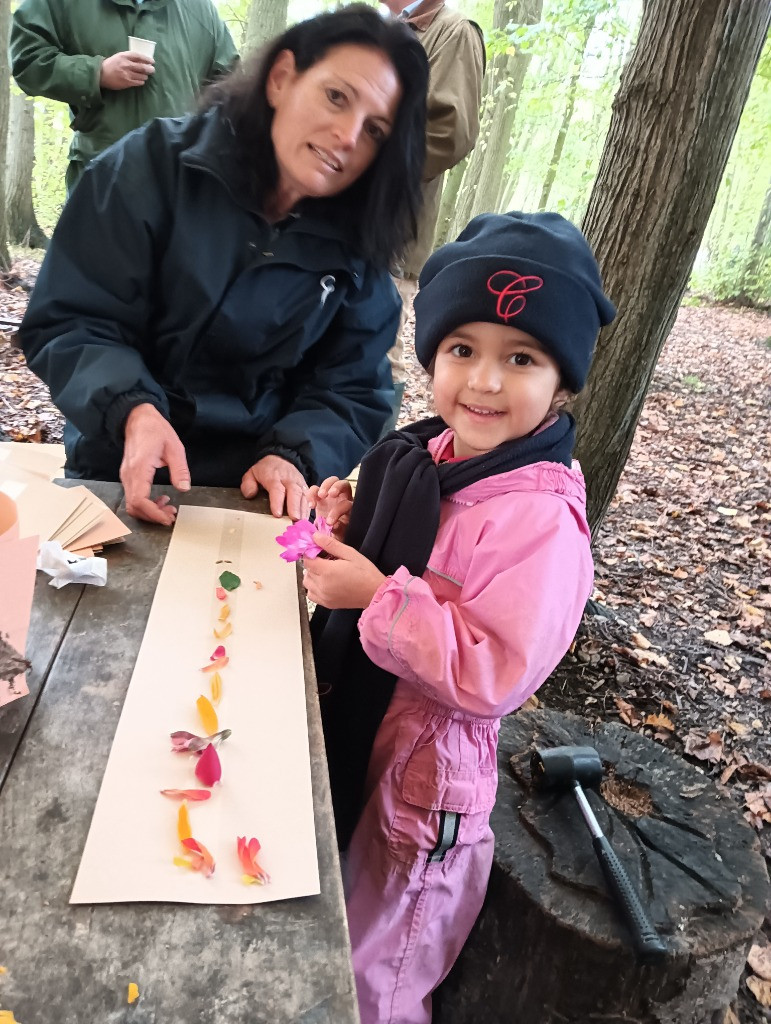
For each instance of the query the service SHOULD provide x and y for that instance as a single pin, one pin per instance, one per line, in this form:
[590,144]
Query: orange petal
[258,585]
[183,822]
[215,666]
[200,857]
[208,715]
[224,633]
[216,688]
[133,993]
[224,612]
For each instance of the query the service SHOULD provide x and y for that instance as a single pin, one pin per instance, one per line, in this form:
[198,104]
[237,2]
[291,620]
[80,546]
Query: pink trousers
[417,869]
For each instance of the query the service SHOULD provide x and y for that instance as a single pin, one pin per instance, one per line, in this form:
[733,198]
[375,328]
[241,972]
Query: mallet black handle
[647,942]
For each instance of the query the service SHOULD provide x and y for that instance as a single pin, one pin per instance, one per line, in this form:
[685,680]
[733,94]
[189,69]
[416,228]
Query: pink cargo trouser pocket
[439,810]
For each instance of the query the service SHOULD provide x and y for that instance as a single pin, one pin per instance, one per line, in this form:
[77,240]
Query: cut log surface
[550,946]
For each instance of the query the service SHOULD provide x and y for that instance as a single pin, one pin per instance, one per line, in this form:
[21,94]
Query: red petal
[219,652]
[209,769]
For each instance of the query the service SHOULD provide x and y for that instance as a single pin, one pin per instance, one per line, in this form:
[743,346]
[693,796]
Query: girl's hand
[345,580]
[332,500]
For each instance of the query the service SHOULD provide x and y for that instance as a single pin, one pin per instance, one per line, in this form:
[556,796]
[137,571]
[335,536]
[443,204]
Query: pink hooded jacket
[493,614]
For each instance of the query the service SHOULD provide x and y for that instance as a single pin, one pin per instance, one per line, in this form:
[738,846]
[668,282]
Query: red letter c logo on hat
[511,288]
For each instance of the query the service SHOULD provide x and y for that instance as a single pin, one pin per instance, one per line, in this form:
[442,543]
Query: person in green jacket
[78,53]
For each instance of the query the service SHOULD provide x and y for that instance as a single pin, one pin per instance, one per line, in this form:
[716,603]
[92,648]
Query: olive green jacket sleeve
[456,58]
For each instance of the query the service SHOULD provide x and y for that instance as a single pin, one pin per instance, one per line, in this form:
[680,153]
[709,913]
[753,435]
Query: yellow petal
[183,862]
[183,822]
[216,688]
[226,630]
[208,714]
[248,879]
[224,612]
[7,1017]
[133,992]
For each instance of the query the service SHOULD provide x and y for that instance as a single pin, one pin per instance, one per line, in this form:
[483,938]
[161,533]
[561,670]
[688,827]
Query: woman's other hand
[332,500]
[150,443]
[283,482]
[345,580]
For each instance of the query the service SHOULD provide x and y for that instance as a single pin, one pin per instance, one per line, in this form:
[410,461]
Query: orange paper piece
[224,612]
[224,633]
[216,688]
[208,715]
[183,823]
[216,665]
[133,993]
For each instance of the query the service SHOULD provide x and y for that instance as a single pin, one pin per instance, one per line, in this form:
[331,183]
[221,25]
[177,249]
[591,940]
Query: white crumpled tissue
[64,567]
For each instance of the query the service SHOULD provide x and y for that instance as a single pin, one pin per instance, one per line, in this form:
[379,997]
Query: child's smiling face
[493,383]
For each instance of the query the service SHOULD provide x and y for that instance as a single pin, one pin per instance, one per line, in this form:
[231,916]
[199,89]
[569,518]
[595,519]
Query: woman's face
[329,121]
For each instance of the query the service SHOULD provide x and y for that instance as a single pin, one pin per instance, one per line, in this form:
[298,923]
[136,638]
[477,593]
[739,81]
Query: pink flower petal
[298,539]
[221,593]
[219,652]
[247,854]
[187,794]
[209,769]
[200,858]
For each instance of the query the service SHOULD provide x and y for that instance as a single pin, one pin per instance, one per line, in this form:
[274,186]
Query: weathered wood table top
[274,963]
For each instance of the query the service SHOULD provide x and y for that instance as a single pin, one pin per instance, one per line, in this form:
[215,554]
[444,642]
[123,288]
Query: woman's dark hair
[384,203]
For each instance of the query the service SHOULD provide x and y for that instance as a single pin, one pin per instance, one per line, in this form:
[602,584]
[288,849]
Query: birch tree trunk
[674,119]
[5,94]
[23,228]
[266,19]
[484,170]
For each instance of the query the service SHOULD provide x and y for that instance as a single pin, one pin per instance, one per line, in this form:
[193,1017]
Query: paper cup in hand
[144,46]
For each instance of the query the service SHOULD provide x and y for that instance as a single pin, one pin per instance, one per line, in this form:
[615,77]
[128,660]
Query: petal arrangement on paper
[209,768]
[247,854]
[297,539]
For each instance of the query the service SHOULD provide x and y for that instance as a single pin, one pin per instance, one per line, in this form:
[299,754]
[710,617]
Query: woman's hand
[345,580]
[332,500]
[282,481]
[150,442]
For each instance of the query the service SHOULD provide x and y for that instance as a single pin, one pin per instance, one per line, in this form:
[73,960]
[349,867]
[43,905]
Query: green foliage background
[728,266]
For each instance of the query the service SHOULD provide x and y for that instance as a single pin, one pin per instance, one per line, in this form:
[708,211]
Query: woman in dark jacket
[215,303]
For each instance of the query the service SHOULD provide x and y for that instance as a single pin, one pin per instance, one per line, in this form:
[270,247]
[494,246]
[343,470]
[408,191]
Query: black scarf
[393,522]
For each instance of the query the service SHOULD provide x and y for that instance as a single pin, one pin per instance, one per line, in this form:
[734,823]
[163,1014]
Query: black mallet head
[564,766]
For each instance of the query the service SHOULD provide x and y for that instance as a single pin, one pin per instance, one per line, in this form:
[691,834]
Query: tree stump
[550,947]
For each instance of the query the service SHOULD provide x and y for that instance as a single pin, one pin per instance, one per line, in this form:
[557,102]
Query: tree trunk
[444,221]
[504,84]
[5,93]
[567,117]
[758,247]
[266,19]
[674,119]
[550,945]
[23,228]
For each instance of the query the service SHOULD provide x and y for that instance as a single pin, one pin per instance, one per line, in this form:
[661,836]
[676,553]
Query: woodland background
[647,123]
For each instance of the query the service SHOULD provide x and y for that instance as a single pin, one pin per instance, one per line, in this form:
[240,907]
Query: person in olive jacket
[216,299]
[78,53]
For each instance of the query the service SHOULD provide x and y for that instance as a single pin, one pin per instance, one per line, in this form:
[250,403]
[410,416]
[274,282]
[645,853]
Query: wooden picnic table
[273,963]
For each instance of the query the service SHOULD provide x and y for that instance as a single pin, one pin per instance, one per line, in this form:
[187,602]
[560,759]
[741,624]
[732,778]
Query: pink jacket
[493,614]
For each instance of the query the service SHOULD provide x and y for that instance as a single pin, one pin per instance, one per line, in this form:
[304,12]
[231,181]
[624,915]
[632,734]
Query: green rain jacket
[57,48]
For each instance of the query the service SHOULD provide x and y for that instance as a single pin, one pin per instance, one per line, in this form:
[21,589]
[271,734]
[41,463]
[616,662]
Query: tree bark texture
[5,95]
[550,946]
[481,182]
[674,119]
[267,19]
[23,228]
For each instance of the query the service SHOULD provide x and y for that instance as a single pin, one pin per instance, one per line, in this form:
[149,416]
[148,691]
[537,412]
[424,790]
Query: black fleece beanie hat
[533,271]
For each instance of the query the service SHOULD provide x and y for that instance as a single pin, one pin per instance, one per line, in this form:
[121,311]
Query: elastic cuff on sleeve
[117,412]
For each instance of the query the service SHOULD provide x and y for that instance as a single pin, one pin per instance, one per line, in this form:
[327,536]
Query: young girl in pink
[453,586]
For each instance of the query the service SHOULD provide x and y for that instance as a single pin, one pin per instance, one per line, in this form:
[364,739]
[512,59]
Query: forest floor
[680,646]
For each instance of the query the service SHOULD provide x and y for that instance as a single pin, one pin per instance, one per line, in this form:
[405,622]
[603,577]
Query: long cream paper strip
[266,785]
